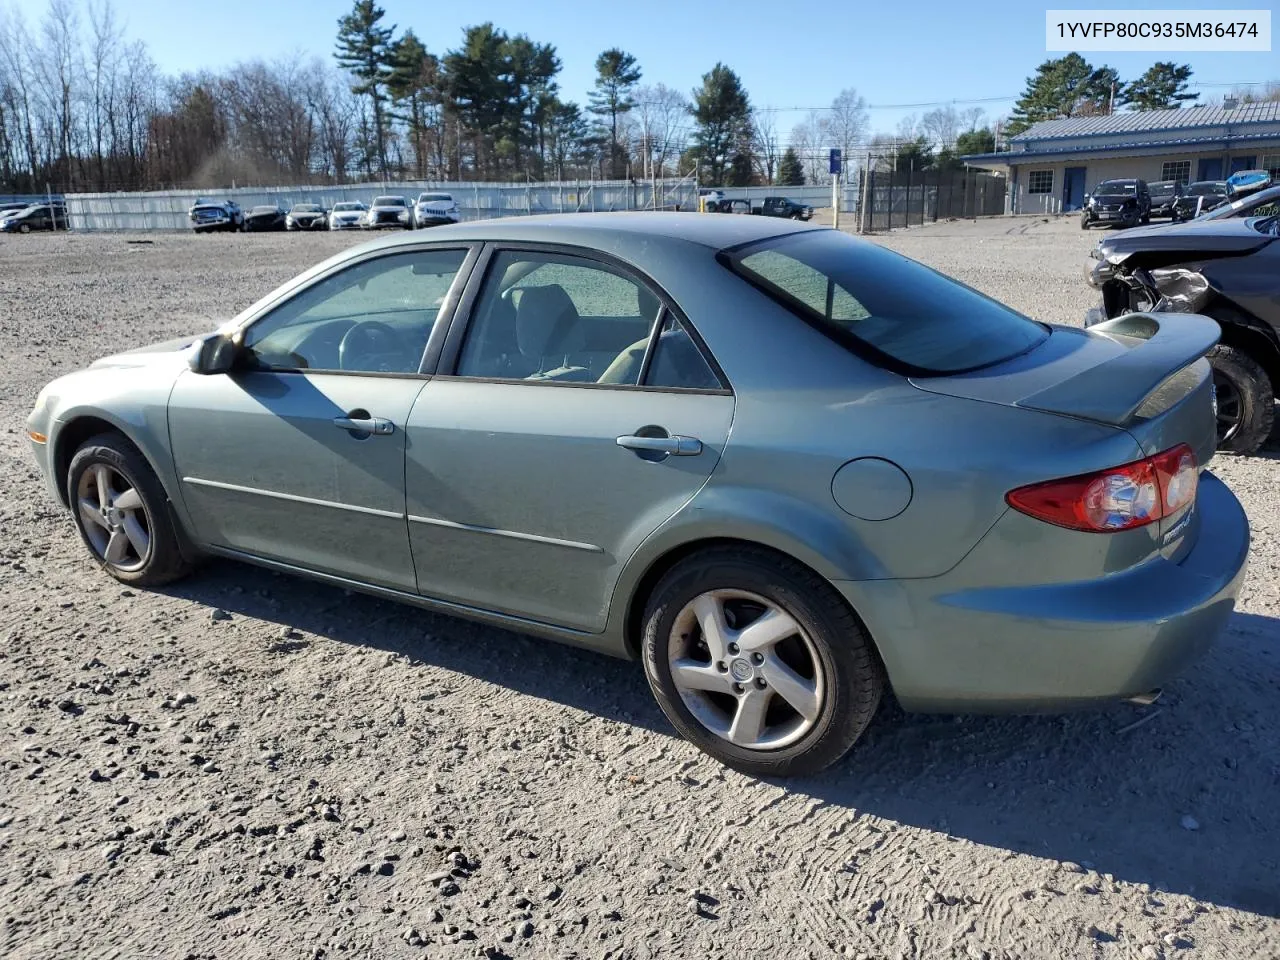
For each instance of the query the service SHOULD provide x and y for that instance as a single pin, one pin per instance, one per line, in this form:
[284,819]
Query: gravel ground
[250,765]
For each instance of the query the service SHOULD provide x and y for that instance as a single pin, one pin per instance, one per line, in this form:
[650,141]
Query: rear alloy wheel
[122,513]
[759,662]
[1245,400]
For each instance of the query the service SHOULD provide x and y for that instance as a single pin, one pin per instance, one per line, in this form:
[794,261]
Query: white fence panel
[167,210]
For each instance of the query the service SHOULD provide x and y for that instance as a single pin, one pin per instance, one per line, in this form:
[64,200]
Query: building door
[1209,168]
[1072,188]
[1243,163]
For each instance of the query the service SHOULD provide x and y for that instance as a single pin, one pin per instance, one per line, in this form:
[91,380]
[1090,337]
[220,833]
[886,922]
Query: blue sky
[894,54]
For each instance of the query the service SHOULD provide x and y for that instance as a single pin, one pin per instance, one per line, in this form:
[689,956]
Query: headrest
[546,322]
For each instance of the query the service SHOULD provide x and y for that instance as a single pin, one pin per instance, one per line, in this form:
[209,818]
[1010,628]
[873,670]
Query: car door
[297,455]
[573,413]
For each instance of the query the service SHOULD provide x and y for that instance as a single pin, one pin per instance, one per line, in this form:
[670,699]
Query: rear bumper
[1052,646]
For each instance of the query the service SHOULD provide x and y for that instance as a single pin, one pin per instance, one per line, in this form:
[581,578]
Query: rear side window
[895,312]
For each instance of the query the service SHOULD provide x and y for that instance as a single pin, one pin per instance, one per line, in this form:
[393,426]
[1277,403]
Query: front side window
[898,313]
[1040,181]
[372,317]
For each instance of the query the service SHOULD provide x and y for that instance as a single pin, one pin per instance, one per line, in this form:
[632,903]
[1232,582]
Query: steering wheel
[366,340]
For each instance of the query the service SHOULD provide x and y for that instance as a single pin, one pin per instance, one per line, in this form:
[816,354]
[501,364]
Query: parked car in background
[1200,197]
[1121,203]
[207,216]
[434,209]
[389,211]
[809,469]
[306,216]
[13,207]
[1164,195]
[38,216]
[1261,203]
[266,217]
[782,207]
[1227,269]
[348,215]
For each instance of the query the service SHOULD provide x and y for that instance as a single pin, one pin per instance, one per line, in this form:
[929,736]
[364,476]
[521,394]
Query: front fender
[135,405]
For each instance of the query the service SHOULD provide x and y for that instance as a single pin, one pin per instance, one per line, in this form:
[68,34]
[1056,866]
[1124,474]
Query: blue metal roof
[1151,121]
[1159,146]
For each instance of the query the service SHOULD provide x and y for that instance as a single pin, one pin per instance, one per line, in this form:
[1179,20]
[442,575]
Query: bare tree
[15,53]
[808,137]
[57,67]
[661,117]
[845,125]
[105,37]
[765,148]
[942,126]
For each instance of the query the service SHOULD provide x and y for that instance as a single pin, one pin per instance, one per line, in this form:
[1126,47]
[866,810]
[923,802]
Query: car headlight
[403,215]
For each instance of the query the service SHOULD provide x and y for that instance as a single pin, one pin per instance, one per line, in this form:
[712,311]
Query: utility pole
[835,200]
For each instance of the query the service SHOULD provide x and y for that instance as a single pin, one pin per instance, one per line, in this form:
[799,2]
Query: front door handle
[674,446]
[371,425]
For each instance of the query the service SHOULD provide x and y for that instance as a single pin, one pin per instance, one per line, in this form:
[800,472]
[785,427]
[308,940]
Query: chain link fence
[167,209]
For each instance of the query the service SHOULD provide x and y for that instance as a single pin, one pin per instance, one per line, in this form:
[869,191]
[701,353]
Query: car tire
[126,471]
[1084,224]
[829,652]
[1250,390]
[24,228]
[1146,219]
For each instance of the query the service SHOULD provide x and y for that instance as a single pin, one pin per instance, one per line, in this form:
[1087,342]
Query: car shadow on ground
[1111,789]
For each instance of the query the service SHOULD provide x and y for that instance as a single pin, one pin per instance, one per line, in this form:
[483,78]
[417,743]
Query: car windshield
[434,198]
[257,210]
[347,207]
[1163,189]
[1206,189]
[306,208]
[388,201]
[901,313]
[1116,188]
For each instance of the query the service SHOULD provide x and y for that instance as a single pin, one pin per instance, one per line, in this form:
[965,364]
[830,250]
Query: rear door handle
[373,425]
[675,446]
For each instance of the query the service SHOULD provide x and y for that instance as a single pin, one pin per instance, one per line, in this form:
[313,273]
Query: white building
[1052,165]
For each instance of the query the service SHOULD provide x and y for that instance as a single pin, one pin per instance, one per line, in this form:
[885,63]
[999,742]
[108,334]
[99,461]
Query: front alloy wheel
[114,518]
[122,512]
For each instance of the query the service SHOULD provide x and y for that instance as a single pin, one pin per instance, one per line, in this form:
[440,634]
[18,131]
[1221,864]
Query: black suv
[1123,202]
[1164,196]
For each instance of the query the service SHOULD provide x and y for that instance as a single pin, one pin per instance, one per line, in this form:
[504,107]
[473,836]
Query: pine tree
[365,48]
[1067,87]
[1162,87]
[722,114]
[790,170]
[616,78]
[414,86]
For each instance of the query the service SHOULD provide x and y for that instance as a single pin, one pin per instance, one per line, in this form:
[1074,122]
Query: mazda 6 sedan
[785,469]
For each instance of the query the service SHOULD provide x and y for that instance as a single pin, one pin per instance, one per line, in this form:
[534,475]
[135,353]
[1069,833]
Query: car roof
[607,231]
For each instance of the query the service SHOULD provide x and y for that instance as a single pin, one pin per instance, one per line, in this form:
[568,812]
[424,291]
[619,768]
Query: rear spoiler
[1112,392]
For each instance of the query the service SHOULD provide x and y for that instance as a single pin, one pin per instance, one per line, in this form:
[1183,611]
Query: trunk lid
[1143,373]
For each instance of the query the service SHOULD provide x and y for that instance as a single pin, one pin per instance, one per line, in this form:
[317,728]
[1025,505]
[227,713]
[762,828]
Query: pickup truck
[771,207]
[782,207]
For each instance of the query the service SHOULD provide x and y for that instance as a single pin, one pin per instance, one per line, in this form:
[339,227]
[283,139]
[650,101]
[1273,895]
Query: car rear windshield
[893,311]
[434,198]
[306,208]
[388,201]
[343,207]
[1206,189]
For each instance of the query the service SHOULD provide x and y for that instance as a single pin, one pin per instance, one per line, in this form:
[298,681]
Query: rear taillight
[1119,498]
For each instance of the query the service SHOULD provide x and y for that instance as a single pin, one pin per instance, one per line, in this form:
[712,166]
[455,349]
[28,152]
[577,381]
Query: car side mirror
[212,354]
